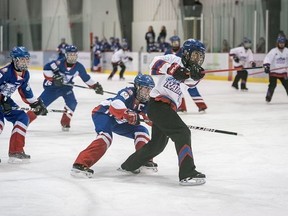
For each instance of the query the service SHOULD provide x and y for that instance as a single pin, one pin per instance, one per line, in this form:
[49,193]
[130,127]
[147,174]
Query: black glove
[130,58]
[236,59]
[98,88]
[266,68]
[196,72]
[5,106]
[253,64]
[178,72]
[39,108]
[58,80]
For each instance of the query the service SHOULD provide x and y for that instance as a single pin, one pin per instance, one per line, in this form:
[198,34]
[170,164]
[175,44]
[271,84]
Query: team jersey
[277,59]
[167,88]
[68,73]
[10,81]
[119,55]
[116,106]
[245,56]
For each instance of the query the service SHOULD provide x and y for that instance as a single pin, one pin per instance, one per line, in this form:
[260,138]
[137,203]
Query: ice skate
[235,86]
[196,179]
[65,128]
[120,169]
[81,171]
[202,110]
[150,165]
[18,158]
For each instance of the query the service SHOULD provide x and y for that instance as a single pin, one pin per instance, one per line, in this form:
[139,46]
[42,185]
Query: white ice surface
[246,175]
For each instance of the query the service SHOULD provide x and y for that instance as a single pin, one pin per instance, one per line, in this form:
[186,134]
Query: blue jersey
[68,73]
[125,99]
[177,53]
[10,81]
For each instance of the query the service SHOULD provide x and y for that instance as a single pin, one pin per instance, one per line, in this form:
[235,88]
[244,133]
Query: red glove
[146,119]
[131,117]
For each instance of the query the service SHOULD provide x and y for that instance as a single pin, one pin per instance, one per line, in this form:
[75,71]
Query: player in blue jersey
[192,90]
[118,115]
[58,82]
[15,76]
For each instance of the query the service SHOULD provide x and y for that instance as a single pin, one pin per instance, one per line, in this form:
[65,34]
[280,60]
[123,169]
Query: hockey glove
[131,117]
[253,64]
[196,72]
[98,88]
[39,108]
[236,59]
[178,72]
[266,68]
[6,107]
[130,58]
[58,80]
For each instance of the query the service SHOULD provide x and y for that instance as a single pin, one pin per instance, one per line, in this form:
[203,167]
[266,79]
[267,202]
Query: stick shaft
[205,129]
[85,87]
[49,110]
[230,69]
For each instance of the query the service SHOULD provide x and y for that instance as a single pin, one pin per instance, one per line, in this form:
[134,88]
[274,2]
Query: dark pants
[166,124]
[241,75]
[272,85]
[115,68]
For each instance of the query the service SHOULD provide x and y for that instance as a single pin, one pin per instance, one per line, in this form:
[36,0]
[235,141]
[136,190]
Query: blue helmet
[71,48]
[144,80]
[193,52]
[143,84]
[281,39]
[20,57]
[174,38]
[71,54]
[18,52]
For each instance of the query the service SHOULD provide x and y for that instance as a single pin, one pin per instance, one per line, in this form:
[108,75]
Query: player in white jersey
[242,58]
[165,98]
[119,58]
[276,58]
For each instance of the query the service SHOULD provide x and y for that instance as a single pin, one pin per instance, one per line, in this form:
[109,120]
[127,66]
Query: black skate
[137,171]
[17,158]
[81,171]
[196,178]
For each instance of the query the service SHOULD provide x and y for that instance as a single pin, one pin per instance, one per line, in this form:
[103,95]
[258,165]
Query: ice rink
[246,175]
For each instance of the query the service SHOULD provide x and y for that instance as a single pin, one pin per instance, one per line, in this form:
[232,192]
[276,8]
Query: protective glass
[143,93]
[71,57]
[21,63]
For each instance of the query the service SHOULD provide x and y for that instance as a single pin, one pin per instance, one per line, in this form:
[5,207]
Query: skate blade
[135,172]
[149,169]
[13,160]
[80,174]
[193,182]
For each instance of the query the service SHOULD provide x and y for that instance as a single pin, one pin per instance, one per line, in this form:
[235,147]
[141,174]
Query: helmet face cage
[144,85]
[20,57]
[193,52]
[71,54]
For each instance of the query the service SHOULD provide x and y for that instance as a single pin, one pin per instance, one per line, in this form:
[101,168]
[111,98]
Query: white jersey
[167,86]
[245,56]
[277,59]
[119,55]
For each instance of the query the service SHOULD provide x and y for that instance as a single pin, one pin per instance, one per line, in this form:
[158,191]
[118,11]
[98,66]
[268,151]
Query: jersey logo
[172,85]
[125,95]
